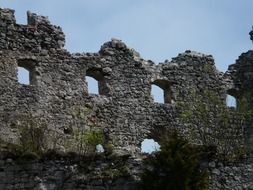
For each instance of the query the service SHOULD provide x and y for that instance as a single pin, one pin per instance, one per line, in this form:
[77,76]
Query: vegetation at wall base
[176,166]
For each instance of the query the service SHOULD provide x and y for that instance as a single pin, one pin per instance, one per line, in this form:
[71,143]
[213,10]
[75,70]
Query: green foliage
[94,137]
[109,149]
[31,142]
[115,173]
[85,137]
[176,166]
[211,121]
[81,112]
[245,108]
[197,112]
[84,141]
[32,138]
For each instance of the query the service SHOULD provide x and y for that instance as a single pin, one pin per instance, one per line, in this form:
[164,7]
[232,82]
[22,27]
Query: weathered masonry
[124,109]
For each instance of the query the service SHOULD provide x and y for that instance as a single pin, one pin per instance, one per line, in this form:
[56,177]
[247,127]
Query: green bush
[175,167]
[94,138]
[31,142]
[212,123]
[32,138]
[109,149]
[84,141]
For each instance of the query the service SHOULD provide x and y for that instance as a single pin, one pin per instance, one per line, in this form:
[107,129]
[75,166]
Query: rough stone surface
[124,109]
[68,173]
[237,176]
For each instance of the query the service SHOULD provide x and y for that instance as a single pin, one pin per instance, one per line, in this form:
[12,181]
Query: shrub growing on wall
[32,138]
[84,141]
[212,123]
[176,166]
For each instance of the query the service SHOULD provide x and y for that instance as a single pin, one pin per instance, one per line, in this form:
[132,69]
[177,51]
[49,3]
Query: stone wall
[241,73]
[231,176]
[101,173]
[124,110]
[67,173]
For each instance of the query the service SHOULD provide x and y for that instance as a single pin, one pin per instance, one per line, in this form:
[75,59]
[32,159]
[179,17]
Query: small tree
[211,122]
[176,166]
[32,138]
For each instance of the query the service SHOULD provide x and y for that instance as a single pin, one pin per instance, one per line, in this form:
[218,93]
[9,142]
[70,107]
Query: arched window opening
[161,91]
[149,146]
[157,94]
[96,82]
[23,76]
[231,101]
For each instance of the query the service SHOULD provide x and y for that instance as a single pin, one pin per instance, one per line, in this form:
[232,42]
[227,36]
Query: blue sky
[158,29]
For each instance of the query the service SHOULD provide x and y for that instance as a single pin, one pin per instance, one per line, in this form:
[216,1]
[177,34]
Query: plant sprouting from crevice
[84,141]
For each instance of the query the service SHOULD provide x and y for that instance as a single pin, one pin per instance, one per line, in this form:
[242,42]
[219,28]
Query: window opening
[157,94]
[26,71]
[231,101]
[149,146]
[92,85]
[161,91]
[99,148]
[23,76]
[96,82]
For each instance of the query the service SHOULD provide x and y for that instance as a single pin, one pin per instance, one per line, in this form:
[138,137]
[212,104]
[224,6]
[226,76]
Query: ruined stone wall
[124,110]
[67,173]
[241,73]
[119,173]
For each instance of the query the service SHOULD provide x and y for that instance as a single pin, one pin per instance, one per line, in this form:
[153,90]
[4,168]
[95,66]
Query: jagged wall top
[124,111]
[38,34]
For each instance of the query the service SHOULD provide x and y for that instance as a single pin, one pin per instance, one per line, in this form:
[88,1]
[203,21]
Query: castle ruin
[124,110]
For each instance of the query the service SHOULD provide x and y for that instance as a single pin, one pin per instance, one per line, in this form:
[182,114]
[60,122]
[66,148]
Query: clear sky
[158,29]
